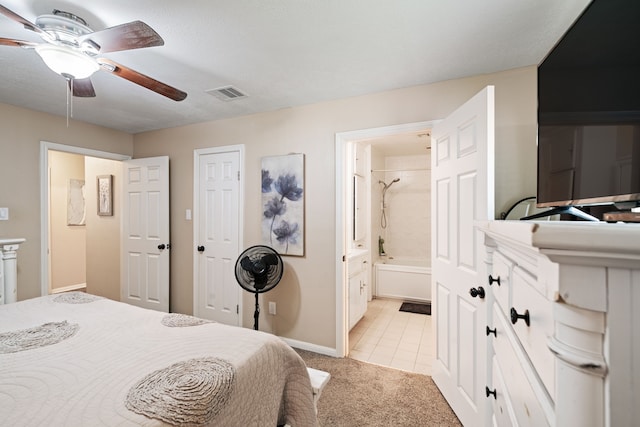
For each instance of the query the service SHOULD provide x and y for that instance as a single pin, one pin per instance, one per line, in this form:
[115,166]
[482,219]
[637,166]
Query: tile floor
[389,337]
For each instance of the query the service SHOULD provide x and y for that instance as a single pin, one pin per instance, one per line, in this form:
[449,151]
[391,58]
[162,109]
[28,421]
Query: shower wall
[408,206]
[377,163]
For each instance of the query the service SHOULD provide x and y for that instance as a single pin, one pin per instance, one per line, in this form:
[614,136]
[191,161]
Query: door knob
[477,292]
[200,248]
[162,246]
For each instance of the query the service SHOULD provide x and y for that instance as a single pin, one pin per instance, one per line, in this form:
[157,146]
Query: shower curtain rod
[401,170]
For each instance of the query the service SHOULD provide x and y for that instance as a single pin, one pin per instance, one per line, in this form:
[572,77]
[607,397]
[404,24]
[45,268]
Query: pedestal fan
[258,269]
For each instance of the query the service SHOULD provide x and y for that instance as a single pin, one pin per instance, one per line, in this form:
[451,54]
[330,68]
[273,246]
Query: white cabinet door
[463,187]
[354,300]
[358,289]
[364,291]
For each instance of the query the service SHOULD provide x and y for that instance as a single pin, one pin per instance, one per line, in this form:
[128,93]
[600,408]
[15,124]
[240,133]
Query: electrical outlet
[272,308]
[4,214]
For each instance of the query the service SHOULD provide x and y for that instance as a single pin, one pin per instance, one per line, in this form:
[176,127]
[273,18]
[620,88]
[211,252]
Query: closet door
[217,238]
[462,182]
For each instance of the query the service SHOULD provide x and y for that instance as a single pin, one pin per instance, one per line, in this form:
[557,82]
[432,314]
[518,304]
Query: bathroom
[392,226]
[396,214]
[401,225]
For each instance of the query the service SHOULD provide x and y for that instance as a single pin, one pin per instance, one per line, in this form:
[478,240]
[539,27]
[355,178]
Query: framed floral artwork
[283,203]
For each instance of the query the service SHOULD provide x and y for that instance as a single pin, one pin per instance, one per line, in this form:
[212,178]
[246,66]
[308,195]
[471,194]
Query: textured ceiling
[282,53]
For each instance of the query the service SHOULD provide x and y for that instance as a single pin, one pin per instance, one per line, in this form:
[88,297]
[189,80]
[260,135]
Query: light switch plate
[4,214]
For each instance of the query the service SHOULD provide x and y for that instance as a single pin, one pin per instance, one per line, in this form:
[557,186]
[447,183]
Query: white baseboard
[77,287]
[327,351]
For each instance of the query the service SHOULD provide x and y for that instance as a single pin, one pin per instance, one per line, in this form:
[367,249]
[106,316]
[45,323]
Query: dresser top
[579,236]
[11,241]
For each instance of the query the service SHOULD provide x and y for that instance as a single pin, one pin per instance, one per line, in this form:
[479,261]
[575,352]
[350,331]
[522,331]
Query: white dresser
[563,301]
[9,270]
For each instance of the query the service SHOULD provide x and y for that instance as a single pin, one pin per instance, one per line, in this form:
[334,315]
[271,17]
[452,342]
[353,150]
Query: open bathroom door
[462,152]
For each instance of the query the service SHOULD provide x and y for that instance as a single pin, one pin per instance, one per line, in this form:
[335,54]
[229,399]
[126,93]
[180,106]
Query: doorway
[45,197]
[67,222]
[399,230]
[344,148]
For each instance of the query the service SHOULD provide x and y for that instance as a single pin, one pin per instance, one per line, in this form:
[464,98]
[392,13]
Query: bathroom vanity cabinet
[358,283]
[563,314]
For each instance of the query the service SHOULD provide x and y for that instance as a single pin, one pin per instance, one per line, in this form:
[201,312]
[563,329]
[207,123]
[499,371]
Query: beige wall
[306,295]
[103,232]
[68,242]
[22,131]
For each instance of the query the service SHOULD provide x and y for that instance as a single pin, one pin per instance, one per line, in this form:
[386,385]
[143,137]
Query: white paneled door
[217,235]
[145,235]
[463,186]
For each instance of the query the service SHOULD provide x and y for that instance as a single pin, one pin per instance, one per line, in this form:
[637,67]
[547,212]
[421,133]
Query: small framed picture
[105,195]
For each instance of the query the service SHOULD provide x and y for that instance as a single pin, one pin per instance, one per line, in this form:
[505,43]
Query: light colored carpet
[362,394]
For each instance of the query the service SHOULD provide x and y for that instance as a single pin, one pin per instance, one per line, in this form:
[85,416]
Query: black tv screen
[589,110]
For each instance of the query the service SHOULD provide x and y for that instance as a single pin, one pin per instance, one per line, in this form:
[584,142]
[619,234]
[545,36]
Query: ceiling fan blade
[16,43]
[133,35]
[141,79]
[82,88]
[19,19]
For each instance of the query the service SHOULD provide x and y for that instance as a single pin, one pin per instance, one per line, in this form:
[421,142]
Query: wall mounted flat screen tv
[589,110]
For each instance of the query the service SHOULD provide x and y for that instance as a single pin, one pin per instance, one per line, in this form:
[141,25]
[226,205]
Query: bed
[75,359]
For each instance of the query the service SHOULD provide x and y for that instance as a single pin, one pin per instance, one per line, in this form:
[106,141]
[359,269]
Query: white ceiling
[282,53]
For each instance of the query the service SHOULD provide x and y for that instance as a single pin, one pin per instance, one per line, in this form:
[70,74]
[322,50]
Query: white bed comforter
[84,380]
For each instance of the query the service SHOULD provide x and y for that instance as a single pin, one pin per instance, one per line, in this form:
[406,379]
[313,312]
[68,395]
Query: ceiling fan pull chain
[71,99]
[68,95]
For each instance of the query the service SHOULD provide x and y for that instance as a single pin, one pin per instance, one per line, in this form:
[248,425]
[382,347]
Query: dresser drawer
[501,283]
[502,408]
[534,337]
[520,396]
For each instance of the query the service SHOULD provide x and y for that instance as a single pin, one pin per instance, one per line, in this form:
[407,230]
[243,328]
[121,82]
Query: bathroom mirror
[359,196]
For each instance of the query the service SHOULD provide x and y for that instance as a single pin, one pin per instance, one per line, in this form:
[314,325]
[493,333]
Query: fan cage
[247,279]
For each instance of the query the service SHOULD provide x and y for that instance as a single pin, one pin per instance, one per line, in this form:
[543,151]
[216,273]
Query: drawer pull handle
[491,280]
[490,392]
[477,292]
[492,331]
[515,316]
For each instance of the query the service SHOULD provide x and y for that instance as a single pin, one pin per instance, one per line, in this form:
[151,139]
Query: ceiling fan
[72,50]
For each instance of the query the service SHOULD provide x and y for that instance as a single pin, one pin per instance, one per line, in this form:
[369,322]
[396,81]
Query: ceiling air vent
[227,93]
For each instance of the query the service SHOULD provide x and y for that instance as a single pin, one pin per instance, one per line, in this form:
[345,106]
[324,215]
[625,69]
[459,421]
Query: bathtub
[403,278]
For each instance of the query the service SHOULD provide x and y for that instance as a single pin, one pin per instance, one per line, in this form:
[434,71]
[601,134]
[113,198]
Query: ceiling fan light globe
[67,62]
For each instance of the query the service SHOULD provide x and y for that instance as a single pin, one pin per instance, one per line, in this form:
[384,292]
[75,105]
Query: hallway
[388,337]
